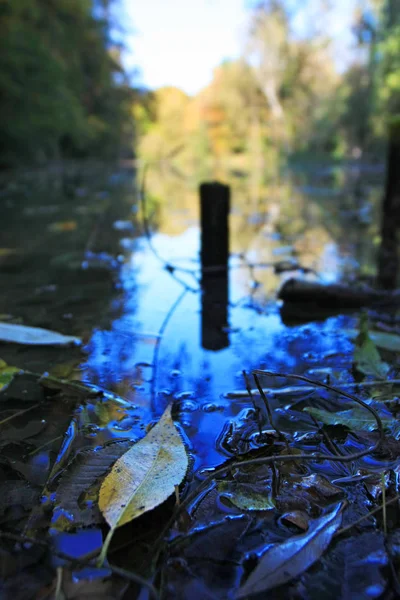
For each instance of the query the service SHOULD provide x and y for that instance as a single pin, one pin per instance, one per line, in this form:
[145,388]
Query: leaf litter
[36,336]
[265,508]
[282,562]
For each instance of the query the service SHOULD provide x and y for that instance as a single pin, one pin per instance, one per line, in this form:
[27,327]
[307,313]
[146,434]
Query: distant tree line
[63,90]
[285,96]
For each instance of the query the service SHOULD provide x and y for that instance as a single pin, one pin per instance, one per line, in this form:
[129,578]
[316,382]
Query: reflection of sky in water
[320,231]
[122,359]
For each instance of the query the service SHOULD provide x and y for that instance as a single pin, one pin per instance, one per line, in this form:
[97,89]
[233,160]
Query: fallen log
[335,296]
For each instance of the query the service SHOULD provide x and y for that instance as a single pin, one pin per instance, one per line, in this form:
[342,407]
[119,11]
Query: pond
[113,258]
[158,347]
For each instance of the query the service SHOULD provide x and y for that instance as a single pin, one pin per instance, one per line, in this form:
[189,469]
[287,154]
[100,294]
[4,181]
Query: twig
[225,469]
[256,408]
[372,512]
[18,413]
[58,593]
[146,227]
[384,502]
[87,559]
[135,578]
[210,269]
[269,411]
[336,391]
[159,338]
[40,448]
[263,460]
[341,386]
[328,440]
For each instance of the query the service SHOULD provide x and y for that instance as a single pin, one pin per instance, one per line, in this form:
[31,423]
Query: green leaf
[22,334]
[282,562]
[366,356]
[7,374]
[246,496]
[381,339]
[357,419]
[143,477]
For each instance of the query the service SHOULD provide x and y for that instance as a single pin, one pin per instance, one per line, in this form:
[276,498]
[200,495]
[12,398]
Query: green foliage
[389,73]
[283,95]
[6,374]
[366,356]
[246,496]
[58,82]
[356,419]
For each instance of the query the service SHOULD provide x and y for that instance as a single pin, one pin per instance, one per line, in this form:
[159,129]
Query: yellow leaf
[143,477]
[62,226]
[7,374]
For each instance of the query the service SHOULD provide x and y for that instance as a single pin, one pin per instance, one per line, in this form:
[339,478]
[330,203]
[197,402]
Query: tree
[389,94]
[62,87]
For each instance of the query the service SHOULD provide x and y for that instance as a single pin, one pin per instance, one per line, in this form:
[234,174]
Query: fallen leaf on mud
[353,570]
[246,496]
[60,226]
[297,517]
[357,419]
[366,356]
[17,493]
[81,474]
[22,334]
[299,492]
[7,374]
[282,562]
[7,252]
[143,477]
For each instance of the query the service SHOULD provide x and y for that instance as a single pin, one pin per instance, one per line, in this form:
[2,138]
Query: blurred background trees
[286,96]
[63,91]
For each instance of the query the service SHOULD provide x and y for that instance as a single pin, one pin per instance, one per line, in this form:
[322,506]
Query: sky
[180,42]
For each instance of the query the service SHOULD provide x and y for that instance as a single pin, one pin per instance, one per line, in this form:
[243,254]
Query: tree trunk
[388,258]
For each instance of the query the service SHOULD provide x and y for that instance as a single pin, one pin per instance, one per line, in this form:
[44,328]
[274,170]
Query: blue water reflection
[153,353]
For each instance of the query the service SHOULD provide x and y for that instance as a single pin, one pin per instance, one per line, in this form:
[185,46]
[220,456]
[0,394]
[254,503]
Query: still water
[161,344]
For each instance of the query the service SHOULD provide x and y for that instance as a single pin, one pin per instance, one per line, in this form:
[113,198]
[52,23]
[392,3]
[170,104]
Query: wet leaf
[282,562]
[4,252]
[357,419]
[352,570]
[67,370]
[81,474]
[299,492]
[246,496]
[7,374]
[8,433]
[22,334]
[60,226]
[17,493]
[213,542]
[381,339]
[143,477]
[297,517]
[366,356]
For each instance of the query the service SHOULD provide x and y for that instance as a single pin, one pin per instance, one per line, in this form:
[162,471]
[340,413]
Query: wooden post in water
[214,205]
[214,208]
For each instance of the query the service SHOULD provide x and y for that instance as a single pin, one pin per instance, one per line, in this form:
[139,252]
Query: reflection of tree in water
[292,230]
[310,218]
